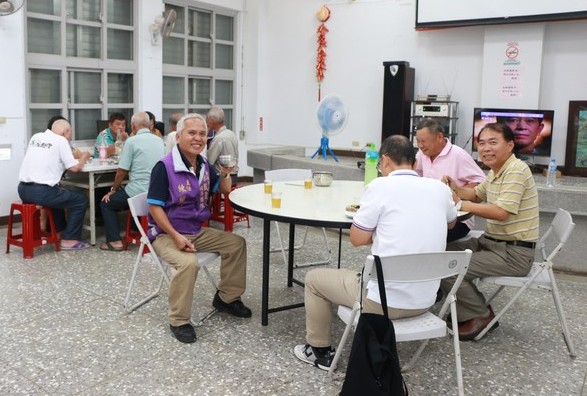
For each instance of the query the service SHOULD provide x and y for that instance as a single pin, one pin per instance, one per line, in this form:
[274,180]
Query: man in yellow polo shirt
[508,199]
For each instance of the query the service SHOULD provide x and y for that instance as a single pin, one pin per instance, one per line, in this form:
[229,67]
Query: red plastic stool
[134,237]
[223,212]
[31,236]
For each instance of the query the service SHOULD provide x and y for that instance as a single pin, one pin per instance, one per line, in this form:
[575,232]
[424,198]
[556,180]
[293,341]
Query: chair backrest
[559,231]
[138,207]
[421,267]
[288,174]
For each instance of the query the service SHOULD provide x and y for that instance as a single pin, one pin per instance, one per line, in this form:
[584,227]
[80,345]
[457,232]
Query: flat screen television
[532,128]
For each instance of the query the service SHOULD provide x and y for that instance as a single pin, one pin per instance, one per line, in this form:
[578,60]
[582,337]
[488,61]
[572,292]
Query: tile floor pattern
[65,332]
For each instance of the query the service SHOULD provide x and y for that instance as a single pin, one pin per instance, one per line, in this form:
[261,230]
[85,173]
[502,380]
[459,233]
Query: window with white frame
[199,61]
[81,62]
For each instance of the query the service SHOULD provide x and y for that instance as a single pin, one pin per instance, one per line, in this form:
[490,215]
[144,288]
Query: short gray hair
[140,120]
[191,116]
[174,118]
[60,127]
[216,114]
[431,124]
[399,149]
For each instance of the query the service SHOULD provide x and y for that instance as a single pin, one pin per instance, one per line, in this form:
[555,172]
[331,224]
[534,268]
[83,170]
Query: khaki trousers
[233,253]
[325,287]
[489,258]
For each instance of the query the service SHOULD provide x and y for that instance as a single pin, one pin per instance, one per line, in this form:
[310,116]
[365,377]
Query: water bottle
[551,173]
[119,143]
[103,148]
[371,157]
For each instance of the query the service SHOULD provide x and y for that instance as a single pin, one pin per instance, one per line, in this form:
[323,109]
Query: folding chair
[296,175]
[540,276]
[138,207]
[411,268]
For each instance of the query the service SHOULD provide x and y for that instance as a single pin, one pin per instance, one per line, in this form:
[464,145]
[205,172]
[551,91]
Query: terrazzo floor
[65,332]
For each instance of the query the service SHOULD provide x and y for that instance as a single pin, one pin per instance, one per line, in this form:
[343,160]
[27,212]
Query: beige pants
[325,287]
[233,252]
[489,258]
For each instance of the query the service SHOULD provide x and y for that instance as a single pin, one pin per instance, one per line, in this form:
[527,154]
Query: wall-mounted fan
[8,7]
[162,26]
[332,116]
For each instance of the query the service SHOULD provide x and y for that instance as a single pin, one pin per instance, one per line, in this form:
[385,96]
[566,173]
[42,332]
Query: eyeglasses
[379,163]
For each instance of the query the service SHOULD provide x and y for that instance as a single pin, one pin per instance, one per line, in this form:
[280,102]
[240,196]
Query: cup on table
[268,187]
[276,199]
[307,183]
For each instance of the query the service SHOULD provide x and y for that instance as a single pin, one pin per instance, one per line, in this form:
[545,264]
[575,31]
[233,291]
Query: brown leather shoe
[469,329]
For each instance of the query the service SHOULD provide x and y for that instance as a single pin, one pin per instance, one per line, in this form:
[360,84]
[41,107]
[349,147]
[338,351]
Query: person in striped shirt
[508,199]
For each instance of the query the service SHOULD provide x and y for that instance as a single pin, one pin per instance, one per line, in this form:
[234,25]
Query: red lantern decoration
[323,15]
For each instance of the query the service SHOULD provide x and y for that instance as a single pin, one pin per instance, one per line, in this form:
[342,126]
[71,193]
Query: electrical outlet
[356,143]
[2,120]
[242,134]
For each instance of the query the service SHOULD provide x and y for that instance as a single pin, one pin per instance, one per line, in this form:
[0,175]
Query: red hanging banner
[323,15]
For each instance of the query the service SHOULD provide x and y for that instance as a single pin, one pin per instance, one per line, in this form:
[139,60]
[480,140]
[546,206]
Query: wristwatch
[458,204]
[112,190]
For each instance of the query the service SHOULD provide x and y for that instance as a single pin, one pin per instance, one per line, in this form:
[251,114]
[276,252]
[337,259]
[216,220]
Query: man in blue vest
[178,205]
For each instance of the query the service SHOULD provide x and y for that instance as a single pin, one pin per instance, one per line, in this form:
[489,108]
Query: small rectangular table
[93,175]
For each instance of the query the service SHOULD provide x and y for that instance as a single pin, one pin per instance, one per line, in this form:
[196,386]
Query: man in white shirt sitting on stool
[47,157]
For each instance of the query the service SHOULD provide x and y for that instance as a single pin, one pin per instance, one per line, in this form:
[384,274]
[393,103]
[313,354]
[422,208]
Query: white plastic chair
[297,175]
[541,276]
[138,207]
[411,268]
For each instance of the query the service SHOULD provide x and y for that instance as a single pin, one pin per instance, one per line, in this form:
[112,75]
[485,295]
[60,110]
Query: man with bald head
[48,155]
[141,152]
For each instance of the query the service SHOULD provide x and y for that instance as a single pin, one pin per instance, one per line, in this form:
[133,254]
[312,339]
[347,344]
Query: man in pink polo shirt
[438,157]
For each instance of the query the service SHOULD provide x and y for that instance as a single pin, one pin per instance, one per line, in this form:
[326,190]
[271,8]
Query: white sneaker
[307,353]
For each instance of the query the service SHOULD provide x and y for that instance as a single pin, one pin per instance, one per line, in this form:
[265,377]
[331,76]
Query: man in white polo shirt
[47,157]
[399,213]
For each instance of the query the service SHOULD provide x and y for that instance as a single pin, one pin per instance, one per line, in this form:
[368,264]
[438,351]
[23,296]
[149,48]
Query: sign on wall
[512,65]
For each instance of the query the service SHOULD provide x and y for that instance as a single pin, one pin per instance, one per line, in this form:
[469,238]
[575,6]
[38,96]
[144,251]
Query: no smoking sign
[512,52]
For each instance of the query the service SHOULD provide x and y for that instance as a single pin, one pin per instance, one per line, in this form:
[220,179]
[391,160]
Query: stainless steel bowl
[322,179]
[227,160]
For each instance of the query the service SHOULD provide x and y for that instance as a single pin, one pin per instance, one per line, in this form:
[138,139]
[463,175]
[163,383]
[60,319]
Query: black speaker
[398,93]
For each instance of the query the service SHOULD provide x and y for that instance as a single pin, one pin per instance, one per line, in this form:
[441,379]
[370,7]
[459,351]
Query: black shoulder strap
[381,284]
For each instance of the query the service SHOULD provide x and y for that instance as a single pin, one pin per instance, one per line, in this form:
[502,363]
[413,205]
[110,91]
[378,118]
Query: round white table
[317,207]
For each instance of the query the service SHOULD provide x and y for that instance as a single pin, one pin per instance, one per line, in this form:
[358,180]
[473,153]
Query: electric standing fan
[332,116]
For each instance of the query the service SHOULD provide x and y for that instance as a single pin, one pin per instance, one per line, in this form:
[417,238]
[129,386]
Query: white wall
[363,34]
[150,65]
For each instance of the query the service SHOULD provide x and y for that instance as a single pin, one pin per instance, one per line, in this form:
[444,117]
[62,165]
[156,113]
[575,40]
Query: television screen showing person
[526,131]
[532,128]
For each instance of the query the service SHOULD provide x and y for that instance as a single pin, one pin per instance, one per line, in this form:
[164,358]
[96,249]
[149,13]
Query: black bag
[374,367]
